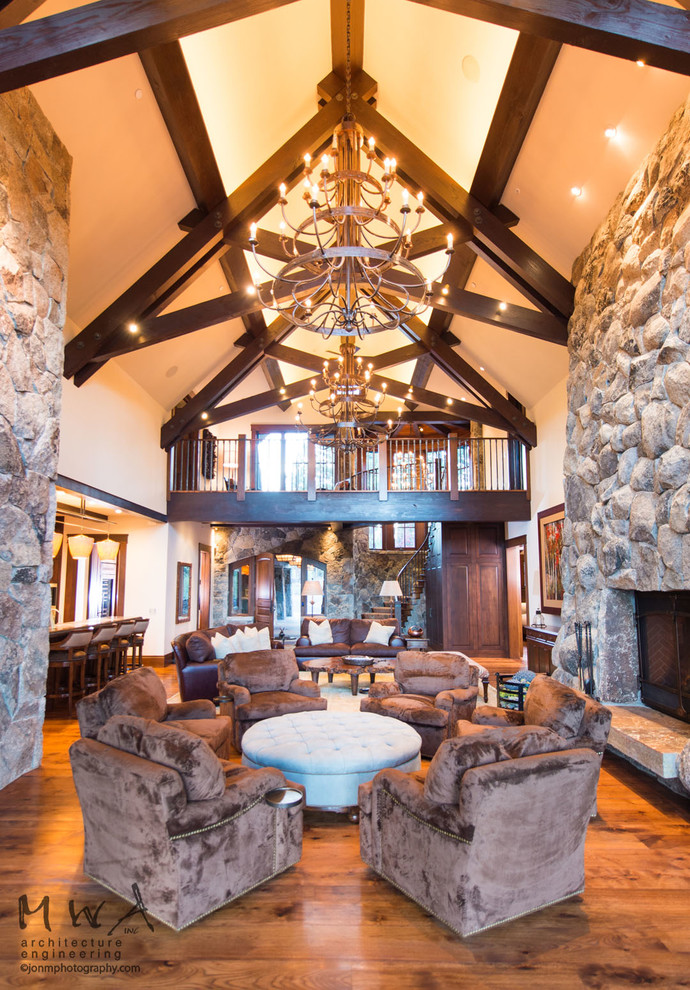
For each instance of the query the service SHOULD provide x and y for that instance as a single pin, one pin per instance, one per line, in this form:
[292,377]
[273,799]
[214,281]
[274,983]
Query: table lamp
[390,589]
[312,588]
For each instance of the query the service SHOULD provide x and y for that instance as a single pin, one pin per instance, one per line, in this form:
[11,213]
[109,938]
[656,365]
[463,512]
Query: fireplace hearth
[663,629]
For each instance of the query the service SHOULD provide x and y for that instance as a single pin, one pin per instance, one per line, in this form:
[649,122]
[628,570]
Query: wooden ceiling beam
[526,79]
[99,32]
[629,29]
[470,411]
[364,87]
[252,198]
[531,322]
[255,403]
[312,362]
[434,239]
[189,416]
[460,371]
[452,201]
[339,36]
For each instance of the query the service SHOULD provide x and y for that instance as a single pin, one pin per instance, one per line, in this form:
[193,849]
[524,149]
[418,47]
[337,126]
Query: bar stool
[137,642]
[100,657]
[70,655]
[122,643]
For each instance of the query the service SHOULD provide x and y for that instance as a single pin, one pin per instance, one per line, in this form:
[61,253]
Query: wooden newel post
[453,466]
[383,471]
[241,466]
[311,470]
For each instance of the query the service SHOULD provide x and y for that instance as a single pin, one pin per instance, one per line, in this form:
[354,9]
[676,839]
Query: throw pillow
[247,639]
[264,639]
[379,634]
[200,648]
[198,766]
[320,633]
[222,645]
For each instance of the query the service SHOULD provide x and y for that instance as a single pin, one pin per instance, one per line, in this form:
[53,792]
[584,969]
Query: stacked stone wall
[627,461]
[34,216]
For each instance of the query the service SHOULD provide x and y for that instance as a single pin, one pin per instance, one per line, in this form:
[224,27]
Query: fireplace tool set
[583,635]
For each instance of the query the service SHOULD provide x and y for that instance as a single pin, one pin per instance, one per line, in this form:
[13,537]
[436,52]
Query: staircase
[411,578]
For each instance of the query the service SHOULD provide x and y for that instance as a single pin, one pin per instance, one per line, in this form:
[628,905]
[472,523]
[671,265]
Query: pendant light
[57,543]
[80,546]
[107,549]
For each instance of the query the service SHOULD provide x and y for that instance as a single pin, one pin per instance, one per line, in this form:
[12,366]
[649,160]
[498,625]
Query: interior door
[204,616]
[514,586]
[264,590]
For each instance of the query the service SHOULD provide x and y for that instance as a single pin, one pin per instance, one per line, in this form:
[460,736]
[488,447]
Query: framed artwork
[183,600]
[550,524]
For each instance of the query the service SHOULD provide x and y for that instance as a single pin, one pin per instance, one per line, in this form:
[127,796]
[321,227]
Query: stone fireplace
[627,461]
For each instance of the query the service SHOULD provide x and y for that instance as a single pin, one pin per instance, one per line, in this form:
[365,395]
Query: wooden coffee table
[338,665]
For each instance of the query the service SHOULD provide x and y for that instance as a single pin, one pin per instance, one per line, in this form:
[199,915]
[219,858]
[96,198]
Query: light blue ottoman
[331,753]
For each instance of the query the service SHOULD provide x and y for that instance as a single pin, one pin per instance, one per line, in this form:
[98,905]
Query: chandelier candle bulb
[282,189]
[252,232]
[450,242]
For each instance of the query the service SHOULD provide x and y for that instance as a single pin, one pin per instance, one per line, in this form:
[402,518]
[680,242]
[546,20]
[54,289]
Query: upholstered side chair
[494,831]
[162,812]
[263,684]
[430,691]
[142,693]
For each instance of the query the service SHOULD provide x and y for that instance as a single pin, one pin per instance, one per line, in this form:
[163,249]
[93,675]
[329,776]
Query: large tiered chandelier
[351,411]
[349,271]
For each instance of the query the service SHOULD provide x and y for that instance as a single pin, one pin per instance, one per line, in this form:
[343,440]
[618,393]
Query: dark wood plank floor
[331,923]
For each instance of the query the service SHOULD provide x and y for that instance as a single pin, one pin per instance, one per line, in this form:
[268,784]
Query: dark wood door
[204,617]
[474,589]
[264,584]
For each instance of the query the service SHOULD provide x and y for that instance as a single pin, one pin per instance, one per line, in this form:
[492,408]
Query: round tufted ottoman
[331,753]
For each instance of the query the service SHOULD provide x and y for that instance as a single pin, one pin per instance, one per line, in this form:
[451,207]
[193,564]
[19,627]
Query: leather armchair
[142,693]
[496,830]
[431,692]
[162,812]
[579,719]
[263,684]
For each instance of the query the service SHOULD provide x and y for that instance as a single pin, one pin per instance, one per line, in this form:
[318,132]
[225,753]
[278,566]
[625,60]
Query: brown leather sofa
[495,830]
[141,693]
[189,831]
[197,667]
[348,638]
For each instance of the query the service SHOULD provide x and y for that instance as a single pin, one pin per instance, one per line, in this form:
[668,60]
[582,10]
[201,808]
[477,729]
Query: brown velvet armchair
[162,812]
[142,693]
[263,684]
[496,830]
[431,691]
[577,718]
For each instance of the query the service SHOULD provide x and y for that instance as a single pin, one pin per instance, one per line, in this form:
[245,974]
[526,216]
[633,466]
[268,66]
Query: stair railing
[413,572]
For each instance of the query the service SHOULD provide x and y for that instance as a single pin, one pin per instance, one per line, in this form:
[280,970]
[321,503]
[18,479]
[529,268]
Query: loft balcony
[285,478]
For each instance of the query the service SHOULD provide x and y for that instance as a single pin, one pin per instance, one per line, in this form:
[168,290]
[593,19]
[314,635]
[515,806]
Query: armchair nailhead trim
[434,828]
[223,821]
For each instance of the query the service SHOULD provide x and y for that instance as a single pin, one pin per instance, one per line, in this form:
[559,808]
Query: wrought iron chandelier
[350,409]
[349,271]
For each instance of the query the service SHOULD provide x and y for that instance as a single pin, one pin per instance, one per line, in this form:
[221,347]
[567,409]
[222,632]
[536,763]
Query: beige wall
[546,469]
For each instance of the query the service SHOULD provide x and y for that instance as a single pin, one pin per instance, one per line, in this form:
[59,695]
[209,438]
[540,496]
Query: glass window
[404,536]
[239,588]
[376,537]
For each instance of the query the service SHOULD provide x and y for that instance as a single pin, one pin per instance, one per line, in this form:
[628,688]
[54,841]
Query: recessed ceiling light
[576,191]
[138,93]
[251,290]
[444,290]
[449,401]
[503,306]
[640,64]
[118,512]
[463,398]
[610,133]
[132,327]
[482,368]
[204,415]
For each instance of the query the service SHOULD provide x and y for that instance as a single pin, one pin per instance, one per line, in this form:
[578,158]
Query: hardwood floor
[331,923]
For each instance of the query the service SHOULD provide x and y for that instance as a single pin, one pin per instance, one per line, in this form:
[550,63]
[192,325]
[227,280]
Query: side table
[416,643]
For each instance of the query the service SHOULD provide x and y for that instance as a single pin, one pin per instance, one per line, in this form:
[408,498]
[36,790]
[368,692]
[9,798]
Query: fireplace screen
[663,628]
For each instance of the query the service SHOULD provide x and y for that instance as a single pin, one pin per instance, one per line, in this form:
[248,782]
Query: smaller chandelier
[352,412]
[349,270]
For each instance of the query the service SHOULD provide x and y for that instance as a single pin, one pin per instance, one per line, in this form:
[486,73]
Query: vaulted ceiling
[183,119]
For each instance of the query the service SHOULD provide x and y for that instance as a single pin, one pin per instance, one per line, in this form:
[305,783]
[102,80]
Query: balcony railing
[272,464]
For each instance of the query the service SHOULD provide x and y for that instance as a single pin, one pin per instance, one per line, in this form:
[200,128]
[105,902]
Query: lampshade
[57,543]
[390,588]
[312,588]
[107,549]
[80,546]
